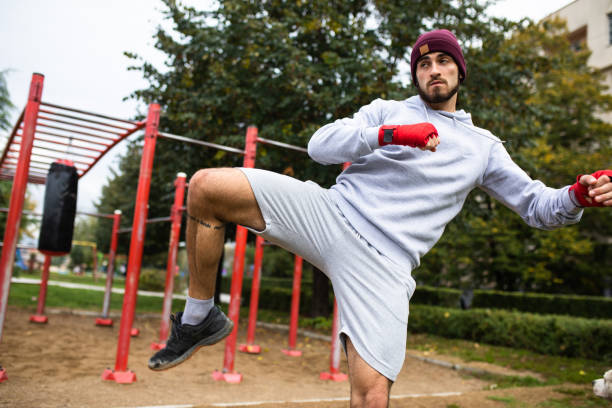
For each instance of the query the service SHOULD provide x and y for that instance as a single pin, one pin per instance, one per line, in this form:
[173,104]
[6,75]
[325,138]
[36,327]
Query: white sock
[196,310]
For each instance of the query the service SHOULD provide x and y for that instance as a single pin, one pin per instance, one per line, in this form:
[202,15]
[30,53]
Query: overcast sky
[78,45]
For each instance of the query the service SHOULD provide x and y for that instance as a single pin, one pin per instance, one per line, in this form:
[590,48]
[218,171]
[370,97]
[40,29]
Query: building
[590,25]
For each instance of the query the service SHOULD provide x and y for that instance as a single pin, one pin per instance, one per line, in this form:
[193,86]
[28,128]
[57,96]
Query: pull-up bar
[27,212]
[149,221]
[200,142]
[281,144]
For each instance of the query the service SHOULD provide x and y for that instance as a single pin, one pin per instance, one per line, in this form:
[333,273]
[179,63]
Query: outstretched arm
[351,138]
[539,206]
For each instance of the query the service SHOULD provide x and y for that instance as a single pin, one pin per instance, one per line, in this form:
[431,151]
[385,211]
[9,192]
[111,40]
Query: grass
[554,369]
[25,295]
[585,400]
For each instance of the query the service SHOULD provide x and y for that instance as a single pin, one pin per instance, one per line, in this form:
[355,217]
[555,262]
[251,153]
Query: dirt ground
[60,365]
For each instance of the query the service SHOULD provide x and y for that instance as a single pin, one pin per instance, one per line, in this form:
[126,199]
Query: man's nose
[434,71]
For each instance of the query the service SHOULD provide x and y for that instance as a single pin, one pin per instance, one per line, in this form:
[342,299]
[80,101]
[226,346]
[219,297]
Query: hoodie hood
[460,117]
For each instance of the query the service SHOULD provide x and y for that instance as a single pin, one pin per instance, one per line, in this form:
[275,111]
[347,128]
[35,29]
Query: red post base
[232,378]
[250,348]
[134,332]
[157,346]
[3,376]
[120,377]
[292,352]
[100,321]
[42,319]
[338,377]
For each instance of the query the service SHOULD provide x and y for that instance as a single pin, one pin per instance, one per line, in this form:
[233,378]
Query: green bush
[591,307]
[545,334]
[579,306]
[428,295]
[275,293]
[152,279]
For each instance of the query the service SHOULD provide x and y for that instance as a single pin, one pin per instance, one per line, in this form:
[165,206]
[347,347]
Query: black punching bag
[59,209]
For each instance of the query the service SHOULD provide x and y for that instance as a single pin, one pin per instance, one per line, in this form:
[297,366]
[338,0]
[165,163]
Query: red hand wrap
[582,192]
[416,135]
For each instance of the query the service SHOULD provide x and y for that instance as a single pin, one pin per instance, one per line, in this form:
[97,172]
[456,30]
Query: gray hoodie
[401,198]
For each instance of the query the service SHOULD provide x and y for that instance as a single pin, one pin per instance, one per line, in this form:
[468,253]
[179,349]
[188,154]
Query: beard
[438,96]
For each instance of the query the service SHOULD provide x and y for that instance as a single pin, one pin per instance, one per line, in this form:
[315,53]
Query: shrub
[546,334]
[152,279]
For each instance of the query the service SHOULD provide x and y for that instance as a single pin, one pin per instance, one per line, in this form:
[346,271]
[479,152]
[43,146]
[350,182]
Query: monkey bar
[81,136]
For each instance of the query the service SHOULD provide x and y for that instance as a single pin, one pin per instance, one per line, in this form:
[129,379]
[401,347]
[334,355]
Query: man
[413,164]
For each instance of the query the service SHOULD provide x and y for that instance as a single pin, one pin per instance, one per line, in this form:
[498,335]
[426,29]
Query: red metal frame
[121,373]
[20,180]
[175,231]
[228,373]
[295,308]
[250,346]
[105,320]
[40,317]
[334,373]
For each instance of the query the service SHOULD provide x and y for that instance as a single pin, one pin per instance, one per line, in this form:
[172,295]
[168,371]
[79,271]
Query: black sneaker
[186,339]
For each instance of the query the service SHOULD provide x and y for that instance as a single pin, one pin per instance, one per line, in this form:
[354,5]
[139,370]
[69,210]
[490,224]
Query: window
[610,29]
[578,38]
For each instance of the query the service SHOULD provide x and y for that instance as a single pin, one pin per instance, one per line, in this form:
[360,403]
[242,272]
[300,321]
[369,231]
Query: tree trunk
[320,294]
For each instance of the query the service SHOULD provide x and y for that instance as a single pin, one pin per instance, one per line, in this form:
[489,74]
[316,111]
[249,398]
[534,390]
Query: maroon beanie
[440,41]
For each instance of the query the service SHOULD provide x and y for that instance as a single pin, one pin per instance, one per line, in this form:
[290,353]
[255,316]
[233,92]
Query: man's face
[438,77]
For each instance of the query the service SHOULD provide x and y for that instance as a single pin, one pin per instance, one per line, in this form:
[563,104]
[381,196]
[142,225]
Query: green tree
[6,106]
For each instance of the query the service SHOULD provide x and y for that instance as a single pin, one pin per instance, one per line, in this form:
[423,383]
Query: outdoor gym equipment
[34,144]
[104,319]
[40,132]
[120,373]
[250,346]
[59,210]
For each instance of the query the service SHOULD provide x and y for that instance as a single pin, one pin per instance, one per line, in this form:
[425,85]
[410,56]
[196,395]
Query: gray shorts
[372,292]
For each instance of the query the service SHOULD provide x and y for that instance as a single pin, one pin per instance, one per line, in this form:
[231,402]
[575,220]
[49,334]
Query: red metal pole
[175,231]
[120,374]
[295,308]
[228,373]
[20,180]
[250,347]
[334,373]
[104,320]
[40,317]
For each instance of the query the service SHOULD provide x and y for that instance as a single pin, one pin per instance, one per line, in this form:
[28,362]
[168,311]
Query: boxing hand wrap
[416,135]
[581,192]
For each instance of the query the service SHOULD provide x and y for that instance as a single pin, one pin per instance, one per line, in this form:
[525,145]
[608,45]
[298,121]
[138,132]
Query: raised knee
[202,189]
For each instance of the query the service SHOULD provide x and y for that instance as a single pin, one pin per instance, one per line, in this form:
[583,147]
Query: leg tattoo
[204,223]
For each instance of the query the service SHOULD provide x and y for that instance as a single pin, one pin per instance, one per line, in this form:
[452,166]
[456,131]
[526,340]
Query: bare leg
[216,196]
[369,388]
